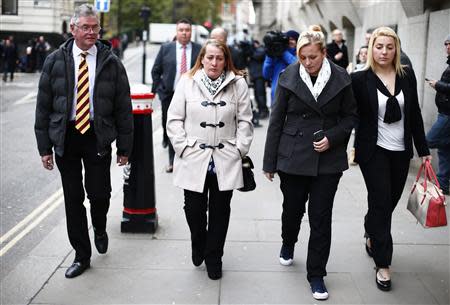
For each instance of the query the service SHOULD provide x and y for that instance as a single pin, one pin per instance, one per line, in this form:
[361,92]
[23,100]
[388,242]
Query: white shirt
[391,136]
[179,48]
[91,59]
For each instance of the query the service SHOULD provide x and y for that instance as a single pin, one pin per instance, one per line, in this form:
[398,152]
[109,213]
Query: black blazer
[365,90]
[165,67]
[296,115]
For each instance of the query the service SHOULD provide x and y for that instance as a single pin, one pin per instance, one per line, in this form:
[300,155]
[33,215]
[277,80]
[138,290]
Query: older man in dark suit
[174,59]
[337,50]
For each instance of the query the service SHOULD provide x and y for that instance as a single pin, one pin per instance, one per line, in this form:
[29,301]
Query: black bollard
[139,206]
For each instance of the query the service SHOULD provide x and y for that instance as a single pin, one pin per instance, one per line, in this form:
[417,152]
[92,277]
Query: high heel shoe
[368,249]
[383,283]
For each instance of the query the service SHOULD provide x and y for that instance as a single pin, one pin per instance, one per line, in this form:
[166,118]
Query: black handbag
[249,177]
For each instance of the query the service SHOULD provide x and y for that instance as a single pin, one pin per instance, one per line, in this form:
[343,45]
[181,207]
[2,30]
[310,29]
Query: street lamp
[145,15]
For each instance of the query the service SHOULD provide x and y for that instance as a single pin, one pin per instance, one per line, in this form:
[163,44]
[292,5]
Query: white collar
[77,51]
[180,46]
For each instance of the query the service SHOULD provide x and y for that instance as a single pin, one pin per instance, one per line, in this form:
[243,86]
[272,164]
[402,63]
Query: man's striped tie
[82,112]
[183,65]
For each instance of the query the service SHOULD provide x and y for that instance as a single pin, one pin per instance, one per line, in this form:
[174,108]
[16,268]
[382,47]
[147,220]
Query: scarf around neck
[322,78]
[212,85]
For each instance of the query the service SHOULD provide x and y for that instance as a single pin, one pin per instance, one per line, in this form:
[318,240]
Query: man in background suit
[173,59]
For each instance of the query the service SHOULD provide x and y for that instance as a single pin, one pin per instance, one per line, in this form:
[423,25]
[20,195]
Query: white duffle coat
[200,125]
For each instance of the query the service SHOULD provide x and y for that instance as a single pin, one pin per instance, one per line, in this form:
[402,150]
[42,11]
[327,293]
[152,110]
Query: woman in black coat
[310,124]
[389,121]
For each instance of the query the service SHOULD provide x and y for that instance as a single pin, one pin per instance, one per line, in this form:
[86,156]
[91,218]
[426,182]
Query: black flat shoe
[101,242]
[384,285]
[77,269]
[368,249]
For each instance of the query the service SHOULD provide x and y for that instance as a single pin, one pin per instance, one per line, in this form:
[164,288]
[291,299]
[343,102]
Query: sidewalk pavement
[157,269]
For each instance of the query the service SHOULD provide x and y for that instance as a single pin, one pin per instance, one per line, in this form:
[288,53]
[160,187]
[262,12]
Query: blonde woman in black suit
[389,122]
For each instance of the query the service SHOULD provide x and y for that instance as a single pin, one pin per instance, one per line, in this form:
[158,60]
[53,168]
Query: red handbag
[426,200]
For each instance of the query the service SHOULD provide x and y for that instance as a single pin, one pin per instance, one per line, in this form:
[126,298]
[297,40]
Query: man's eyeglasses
[87,29]
[446,43]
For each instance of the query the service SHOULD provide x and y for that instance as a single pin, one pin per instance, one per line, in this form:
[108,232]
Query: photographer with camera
[280,52]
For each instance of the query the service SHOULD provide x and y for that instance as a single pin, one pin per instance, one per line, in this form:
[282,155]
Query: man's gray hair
[220,31]
[84,10]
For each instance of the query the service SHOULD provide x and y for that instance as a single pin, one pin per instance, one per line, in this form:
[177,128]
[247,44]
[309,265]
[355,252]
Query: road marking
[29,98]
[57,195]
[31,226]
[49,205]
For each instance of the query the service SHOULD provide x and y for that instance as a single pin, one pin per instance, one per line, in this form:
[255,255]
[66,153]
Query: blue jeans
[439,137]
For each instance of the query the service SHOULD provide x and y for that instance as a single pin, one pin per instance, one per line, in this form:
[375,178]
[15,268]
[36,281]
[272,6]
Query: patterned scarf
[212,85]
[322,78]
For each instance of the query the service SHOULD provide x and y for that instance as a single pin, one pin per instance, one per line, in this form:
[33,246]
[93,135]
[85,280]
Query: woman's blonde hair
[313,35]
[229,66]
[387,32]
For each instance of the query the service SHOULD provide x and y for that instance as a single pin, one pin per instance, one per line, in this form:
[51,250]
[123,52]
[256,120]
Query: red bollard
[139,210]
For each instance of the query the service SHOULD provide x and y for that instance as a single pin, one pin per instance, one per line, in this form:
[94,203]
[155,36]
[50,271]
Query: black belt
[205,146]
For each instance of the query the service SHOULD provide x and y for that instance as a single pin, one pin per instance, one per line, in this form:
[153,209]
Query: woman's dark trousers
[385,176]
[320,191]
[208,215]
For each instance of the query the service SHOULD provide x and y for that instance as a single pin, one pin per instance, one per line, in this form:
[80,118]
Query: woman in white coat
[209,123]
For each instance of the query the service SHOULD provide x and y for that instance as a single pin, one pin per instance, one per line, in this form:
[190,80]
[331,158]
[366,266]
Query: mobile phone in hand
[318,135]
[427,79]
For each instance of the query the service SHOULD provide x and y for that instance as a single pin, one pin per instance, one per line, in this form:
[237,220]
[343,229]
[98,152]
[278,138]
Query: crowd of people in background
[30,61]
[32,57]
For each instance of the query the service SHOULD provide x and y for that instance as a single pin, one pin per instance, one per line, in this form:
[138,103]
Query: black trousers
[208,232]
[320,191]
[165,103]
[80,150]
[385,177]
[8,67]
[259,85]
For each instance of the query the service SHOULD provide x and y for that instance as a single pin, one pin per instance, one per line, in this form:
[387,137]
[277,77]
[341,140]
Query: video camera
[276,43]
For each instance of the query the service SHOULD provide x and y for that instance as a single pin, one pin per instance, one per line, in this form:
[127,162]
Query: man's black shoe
[76,269]
[101,242]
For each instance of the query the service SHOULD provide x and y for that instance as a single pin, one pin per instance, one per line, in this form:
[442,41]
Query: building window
[9,7]
[226,8]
